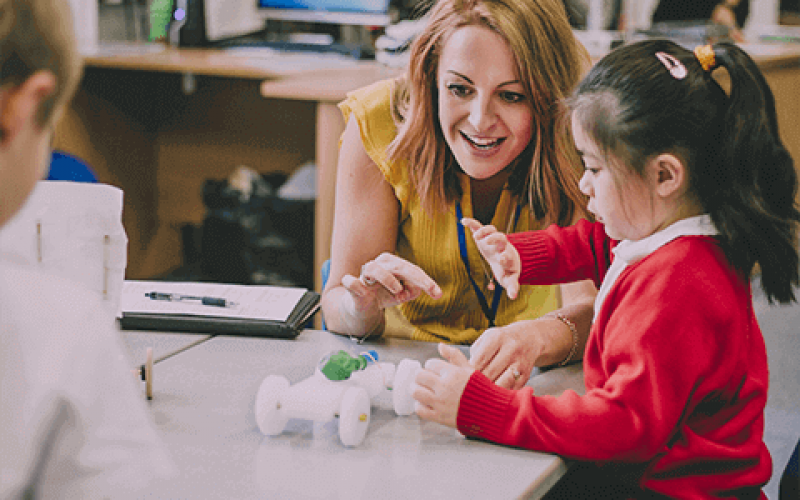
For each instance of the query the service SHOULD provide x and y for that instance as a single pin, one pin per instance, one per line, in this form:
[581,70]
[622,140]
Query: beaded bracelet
[574,330]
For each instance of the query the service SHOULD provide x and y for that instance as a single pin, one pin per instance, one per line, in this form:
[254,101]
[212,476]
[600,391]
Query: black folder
[209,319]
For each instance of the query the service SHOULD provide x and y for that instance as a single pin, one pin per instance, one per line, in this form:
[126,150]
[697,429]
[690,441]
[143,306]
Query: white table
[203,404]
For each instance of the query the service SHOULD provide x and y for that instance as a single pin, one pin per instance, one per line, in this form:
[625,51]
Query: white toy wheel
[354,415]
[269,416]
[401,390]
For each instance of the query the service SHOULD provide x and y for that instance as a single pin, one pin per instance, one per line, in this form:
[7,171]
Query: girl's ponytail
[753,202]
[654,96]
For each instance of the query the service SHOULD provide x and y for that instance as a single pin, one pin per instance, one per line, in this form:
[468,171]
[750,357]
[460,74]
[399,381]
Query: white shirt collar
[634,251]
[629,252]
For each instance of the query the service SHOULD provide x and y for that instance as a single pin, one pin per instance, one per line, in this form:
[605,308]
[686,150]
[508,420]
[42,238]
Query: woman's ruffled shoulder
[372,108]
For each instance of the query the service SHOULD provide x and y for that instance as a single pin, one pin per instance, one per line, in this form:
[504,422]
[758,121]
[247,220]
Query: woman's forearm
[340,315]
[567,345]
[575,317]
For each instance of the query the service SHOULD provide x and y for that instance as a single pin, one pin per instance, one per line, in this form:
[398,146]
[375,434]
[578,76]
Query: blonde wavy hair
[38,35]
[550,63]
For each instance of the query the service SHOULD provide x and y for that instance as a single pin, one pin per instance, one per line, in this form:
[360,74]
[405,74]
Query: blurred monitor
[344,12]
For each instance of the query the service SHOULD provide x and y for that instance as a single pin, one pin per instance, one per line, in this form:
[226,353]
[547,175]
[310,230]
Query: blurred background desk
[159,124]
[204,407]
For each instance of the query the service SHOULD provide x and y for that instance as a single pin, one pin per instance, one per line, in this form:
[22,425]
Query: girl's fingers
[434,366]
[422,394]
[479,231]
[485,232]
[497,240]
[424,412]
[453,355]
[512,288]
[507,260]
[471,223]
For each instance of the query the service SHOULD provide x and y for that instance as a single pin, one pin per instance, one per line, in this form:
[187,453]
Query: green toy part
[340,365]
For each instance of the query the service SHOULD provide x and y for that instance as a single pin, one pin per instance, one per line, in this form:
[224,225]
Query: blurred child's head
[39,71]
[666,130]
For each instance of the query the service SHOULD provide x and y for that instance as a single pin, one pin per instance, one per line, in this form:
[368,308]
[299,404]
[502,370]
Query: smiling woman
[483,110]
[469,130]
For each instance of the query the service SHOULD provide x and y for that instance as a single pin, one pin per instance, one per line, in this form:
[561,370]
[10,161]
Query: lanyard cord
[490,313]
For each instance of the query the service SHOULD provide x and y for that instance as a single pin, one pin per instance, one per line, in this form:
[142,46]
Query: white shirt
[73,423]
[629,252]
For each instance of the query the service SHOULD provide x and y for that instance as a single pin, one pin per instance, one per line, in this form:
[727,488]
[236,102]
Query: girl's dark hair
[739,171]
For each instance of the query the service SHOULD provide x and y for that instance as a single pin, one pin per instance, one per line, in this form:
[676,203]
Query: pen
[176,297]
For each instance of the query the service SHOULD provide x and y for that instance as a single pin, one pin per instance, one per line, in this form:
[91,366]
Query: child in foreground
[691,188]
[72,423]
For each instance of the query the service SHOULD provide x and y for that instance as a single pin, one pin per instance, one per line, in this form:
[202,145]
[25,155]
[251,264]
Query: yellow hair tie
[705,54]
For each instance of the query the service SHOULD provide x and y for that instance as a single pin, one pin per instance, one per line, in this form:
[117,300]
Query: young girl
[691,189]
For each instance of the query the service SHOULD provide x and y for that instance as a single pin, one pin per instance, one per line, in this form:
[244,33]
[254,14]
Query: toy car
[342,386]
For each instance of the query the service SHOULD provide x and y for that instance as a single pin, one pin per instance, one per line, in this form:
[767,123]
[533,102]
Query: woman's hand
[439,386]
[508,354]
[387,281]
[502,352]
[502,257]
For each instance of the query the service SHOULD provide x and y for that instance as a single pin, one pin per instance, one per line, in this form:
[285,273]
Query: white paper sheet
[252,302]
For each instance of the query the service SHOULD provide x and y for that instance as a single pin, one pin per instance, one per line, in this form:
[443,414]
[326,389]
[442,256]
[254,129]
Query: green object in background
[160,13]
[340,365]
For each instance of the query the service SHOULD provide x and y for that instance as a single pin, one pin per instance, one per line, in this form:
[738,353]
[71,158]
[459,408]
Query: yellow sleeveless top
[431,242]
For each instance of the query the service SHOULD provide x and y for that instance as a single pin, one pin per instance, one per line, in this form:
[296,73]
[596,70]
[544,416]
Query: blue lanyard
[490,313]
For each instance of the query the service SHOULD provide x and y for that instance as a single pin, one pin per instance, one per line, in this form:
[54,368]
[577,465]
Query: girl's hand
[387,281]
[502,257]
[439,386]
